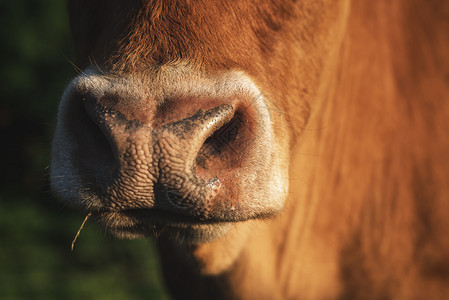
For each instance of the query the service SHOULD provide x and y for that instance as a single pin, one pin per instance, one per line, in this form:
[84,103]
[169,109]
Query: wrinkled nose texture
[162,166]
[169,144]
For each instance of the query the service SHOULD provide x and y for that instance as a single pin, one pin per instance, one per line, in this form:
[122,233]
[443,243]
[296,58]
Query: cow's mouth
[137,223]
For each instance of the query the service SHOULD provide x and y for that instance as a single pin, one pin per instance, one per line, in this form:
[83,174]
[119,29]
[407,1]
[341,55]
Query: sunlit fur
[364,88]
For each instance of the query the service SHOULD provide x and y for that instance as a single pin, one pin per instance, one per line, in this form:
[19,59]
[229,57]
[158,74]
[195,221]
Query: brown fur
[367,215]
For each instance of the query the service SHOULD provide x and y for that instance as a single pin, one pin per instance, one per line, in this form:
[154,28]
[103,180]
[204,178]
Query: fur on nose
[163,159]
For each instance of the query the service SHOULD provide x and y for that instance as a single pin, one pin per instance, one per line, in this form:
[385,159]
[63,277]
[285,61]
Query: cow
[275,149]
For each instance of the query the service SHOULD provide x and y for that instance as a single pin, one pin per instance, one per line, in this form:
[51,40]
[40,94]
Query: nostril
[220,145]
[100,118]
[96,154]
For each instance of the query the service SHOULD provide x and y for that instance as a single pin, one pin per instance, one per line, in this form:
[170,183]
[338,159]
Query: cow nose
[169,166]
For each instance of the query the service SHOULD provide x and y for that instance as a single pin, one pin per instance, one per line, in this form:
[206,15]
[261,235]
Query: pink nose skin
[167,147]
[167,160]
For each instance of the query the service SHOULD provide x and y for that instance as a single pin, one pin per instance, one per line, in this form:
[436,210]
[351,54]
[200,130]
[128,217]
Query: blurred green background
[35,230]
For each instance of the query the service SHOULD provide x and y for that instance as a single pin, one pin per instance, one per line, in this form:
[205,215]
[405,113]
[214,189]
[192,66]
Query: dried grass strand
[79,230]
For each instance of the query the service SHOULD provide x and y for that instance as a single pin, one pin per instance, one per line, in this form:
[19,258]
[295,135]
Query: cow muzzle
[167,149]
[174,166]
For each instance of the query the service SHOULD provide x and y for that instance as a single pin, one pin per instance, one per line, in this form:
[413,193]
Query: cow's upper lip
[154,216]
[136,223]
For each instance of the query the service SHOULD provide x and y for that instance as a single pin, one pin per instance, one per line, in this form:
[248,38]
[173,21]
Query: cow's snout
[173,163]
[168,147]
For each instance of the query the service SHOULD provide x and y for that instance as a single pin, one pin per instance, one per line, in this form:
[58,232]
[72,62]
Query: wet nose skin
[143,150]
[162,164]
